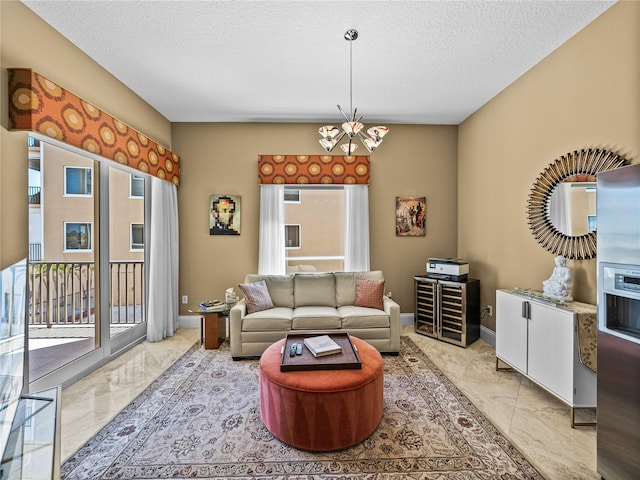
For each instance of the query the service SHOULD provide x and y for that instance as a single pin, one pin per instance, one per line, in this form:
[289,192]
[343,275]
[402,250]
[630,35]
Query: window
[136,186]
[77,237]
[319,211]
[78,181]
[137,236]
[291,195]
[292,236]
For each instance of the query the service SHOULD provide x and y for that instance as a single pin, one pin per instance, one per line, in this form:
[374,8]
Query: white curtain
[271,254]
[560,208]
[356,228]
[162,314]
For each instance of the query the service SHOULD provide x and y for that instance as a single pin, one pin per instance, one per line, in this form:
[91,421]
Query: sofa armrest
[393,310]
[236,315]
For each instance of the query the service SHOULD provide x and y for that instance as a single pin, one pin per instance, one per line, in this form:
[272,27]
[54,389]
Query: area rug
[201,419]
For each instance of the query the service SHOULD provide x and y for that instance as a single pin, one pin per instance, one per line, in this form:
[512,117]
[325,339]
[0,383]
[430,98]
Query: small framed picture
[410,216]
[224,215]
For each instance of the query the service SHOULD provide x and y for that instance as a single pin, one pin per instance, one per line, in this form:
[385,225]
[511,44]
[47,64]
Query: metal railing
[63,293]
[34,195]
[35,252]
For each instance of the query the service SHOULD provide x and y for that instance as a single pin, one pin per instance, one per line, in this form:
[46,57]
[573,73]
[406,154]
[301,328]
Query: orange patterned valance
[314,169]
[39,105]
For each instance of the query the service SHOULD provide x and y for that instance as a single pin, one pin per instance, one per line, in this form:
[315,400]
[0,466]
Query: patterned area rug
[201,419]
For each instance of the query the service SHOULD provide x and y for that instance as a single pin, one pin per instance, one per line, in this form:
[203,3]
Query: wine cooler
[448,311]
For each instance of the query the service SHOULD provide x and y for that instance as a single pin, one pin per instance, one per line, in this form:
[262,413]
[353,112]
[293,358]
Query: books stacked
[322,345]
[213,306]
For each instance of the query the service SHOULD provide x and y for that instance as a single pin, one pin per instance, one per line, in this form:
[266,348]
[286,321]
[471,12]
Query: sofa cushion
[315,318]
[275,319]
[280,288]
[362,317]
[314,290]
[346,285]
[369,293]
[256,296]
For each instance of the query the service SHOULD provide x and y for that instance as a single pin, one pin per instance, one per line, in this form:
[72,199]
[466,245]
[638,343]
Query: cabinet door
[511,331]
[551,349]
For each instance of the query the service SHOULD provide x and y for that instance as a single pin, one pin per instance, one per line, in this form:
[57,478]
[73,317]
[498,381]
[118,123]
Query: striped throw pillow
[369,293]
[257,296]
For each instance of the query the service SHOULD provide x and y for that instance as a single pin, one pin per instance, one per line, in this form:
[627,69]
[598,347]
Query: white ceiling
[423,62]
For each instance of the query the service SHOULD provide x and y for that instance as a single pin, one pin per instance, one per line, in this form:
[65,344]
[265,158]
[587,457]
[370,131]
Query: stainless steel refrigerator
[618,229]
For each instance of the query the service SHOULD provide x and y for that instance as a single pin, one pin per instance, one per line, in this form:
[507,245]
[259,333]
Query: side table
[213,326]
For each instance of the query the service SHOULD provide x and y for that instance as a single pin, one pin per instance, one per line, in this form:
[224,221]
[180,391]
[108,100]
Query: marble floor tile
[533,420]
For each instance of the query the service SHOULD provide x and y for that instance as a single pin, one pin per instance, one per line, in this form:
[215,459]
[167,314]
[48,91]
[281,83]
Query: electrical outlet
[490,310]
[185,299]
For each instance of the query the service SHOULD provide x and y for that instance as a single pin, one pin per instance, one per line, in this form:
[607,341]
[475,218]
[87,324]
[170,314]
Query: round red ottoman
[321,410]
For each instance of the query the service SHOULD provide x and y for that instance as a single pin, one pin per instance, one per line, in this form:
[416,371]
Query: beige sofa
[313,303]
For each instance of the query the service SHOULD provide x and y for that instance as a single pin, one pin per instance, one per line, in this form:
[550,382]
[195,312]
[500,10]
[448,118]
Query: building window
[291,195]
[136,186]
[78,181]
[292,236]
[77,237]
[137,236]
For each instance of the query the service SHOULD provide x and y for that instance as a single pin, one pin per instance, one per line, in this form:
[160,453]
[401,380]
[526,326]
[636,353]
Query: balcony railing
[63,293]
[34,195]
[35,252]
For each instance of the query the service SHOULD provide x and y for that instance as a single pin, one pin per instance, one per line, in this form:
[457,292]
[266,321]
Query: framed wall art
[224,215]
[410,216]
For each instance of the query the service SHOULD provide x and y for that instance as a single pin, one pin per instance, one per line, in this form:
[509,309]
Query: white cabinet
[541,342]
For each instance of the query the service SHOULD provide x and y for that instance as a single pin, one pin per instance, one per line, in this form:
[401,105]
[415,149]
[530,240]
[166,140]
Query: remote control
[299,349]
[293,350]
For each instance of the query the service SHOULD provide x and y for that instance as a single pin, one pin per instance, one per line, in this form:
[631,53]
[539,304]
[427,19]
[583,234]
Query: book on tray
[212,306]
[322,345]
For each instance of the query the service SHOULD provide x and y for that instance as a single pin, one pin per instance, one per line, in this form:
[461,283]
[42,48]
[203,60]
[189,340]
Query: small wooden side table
[213,326]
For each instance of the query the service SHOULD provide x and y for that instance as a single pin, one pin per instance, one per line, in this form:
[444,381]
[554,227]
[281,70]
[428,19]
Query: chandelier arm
[343,114]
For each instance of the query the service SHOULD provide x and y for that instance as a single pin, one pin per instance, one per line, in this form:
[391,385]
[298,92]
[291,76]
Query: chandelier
[352,127]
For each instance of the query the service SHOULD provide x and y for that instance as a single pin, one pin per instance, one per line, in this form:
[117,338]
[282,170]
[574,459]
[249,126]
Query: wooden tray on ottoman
[347,359]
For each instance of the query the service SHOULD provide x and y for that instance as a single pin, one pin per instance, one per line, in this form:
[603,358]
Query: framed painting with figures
[224,215]
[410,216]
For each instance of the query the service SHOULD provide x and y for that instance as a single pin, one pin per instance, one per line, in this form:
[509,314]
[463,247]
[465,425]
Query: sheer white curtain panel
[162,313]
[271,254]
[356,228]
[560,208]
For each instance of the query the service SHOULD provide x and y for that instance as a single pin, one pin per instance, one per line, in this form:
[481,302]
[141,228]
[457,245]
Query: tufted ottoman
[321,410]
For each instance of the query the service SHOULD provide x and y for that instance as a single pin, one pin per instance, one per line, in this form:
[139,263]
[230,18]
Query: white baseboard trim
[188,321]
[488,335]
[406,318]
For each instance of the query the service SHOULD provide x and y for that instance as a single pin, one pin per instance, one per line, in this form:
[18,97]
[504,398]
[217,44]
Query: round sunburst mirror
[549,218]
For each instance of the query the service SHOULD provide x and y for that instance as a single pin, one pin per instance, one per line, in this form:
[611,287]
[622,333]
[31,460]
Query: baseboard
[188,321]
[406,318]
[488,335]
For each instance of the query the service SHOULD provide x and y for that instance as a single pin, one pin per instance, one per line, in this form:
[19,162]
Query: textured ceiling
[423,62]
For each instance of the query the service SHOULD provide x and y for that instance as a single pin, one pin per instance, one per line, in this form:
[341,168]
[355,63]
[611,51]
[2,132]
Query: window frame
[131,182]
[66,248]
[132,248]
[286,225]
[66,185]
[289,190]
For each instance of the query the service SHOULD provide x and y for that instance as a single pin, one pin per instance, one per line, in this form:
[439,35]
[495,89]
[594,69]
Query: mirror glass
[572,207]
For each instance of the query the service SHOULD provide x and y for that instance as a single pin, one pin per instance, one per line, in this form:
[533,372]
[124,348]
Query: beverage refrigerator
[618,229]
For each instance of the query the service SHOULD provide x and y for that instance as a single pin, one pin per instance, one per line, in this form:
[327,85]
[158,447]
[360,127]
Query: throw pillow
[257,296]
[369,293]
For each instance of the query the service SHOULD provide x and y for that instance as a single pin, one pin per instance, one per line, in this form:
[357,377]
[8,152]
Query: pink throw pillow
[257,296]
[369,293]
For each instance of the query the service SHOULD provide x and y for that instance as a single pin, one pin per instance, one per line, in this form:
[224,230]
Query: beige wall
[585,94]
[26,41]
[414,160]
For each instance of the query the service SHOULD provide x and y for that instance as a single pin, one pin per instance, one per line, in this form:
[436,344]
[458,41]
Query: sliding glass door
[86,286]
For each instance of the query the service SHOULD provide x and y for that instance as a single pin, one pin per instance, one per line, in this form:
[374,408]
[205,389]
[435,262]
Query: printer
[453,269]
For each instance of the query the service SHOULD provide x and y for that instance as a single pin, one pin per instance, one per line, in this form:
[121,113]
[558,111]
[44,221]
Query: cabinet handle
[526,310]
